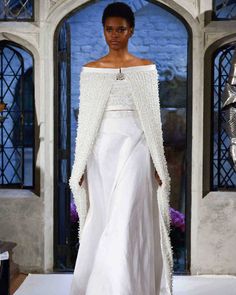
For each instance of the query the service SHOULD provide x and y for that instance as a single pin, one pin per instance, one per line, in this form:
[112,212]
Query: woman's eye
[120,30]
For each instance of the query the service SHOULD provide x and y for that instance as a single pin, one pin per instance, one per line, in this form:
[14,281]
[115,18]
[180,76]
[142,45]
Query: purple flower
[73,213]
[177,219]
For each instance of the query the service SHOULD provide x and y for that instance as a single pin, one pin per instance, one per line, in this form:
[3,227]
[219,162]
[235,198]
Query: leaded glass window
[223,172]
[16,10]
[16,117]
[224,9]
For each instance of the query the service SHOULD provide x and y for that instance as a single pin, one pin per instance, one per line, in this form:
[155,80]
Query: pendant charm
[120,76]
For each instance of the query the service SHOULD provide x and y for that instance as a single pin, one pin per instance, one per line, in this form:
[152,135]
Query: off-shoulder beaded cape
[95,86]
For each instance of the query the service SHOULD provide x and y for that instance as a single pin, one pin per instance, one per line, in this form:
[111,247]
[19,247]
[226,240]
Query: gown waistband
[121,113]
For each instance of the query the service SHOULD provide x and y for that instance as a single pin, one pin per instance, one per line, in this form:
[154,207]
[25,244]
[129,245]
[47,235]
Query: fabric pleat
[120,250]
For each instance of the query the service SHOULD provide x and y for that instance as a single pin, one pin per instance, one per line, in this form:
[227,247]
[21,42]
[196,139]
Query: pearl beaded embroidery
[120,96]
[95,88]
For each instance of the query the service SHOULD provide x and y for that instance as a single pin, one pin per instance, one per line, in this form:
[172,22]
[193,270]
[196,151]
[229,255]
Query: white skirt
[120,251]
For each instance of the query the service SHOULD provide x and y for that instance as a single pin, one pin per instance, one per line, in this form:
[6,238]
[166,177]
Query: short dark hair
[120,9]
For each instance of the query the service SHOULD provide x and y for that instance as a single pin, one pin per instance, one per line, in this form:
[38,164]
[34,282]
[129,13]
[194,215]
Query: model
[120,181]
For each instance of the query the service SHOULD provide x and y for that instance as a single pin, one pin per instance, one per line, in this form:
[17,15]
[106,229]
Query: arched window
[223,171]
[73,48]
[17,10]
[16,117]
[219,170]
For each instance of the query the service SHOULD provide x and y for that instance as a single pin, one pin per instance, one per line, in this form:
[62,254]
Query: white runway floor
[59,284]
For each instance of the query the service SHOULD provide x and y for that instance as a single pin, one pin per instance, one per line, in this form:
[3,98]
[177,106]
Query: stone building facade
[27,217]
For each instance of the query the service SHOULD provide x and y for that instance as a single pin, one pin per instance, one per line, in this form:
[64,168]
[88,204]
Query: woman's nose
[114,33]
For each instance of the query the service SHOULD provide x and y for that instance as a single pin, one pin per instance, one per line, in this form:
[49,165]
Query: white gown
[120,252]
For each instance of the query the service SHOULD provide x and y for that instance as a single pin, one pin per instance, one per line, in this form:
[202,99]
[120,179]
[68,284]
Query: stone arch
[33,51]
[60,10]
[218,43]
[18,41]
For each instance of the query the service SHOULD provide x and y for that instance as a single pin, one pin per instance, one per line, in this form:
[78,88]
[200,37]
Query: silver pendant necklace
[120,76]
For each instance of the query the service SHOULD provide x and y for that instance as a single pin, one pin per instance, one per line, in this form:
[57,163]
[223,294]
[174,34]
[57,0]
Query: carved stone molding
[21,38]
[210,38]
[52,3]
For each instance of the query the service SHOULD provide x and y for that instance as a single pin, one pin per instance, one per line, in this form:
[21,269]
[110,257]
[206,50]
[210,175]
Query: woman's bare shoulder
[146,62]
[93,64]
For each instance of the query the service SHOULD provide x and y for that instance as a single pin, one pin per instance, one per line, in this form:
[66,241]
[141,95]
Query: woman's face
[117,32]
